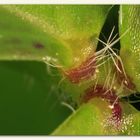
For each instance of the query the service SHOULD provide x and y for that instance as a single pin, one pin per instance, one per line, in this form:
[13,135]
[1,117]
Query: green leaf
[94,118]
[135,125]
[20,40]
[87,120]
[65,33]
[130,42]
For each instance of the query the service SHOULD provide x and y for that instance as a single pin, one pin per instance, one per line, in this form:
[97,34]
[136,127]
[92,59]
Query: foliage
[69,62]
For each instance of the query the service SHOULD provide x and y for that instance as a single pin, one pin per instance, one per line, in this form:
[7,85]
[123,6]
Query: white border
[69,1]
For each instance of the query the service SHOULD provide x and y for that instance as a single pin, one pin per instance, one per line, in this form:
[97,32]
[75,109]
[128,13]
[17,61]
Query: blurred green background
[29,102]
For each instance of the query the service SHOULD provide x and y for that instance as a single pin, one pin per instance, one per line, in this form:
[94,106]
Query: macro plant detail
[84,59]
